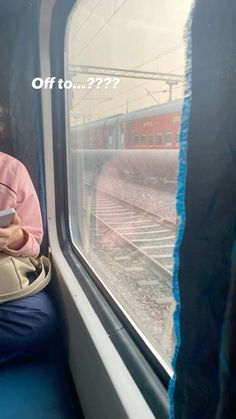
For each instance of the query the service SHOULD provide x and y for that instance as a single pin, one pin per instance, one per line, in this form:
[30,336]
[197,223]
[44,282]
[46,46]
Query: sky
[146,35]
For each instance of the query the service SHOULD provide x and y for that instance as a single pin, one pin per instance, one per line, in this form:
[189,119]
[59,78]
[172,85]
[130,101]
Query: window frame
[159,134]
[133,350]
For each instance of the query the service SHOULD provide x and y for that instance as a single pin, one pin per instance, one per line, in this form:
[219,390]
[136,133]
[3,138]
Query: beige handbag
[14,282]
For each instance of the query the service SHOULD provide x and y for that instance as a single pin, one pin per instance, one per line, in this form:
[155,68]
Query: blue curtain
[207,206]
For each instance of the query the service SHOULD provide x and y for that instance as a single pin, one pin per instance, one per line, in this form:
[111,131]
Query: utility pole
[171,83]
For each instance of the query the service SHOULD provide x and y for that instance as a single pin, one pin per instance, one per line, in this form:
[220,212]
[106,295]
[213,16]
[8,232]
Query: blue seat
[39,389]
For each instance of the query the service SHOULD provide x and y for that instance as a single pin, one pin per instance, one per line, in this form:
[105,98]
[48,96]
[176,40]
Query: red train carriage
[153,128]
[101,134]
[156,127]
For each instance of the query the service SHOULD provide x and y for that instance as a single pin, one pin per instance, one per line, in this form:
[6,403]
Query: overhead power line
[170,78]
[161,55]
[132,88]
[100,29]
[81,25]
[144,84]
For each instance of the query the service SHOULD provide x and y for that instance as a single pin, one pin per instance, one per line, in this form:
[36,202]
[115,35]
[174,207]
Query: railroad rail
[149,240]
[150,234]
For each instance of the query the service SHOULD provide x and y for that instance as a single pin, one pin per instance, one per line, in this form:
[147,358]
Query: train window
[121,201]
[110,140]
[133,138]
[158,139]
[143,139]
[168,138]
[136,139]
[177,138]
[150,139]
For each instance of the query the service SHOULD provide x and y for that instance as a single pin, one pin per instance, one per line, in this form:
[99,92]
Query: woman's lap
[26,327]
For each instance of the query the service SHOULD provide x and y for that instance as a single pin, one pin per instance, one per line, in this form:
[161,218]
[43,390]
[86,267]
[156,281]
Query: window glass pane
[159,139]
[125,59]
[143,139]
[136,140]
[150,139]
[168,138]
[177,137]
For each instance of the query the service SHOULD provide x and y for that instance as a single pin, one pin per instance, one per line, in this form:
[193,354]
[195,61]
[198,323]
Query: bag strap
[37,285]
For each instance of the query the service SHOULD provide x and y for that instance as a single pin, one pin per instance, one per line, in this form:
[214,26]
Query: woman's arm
[23,237]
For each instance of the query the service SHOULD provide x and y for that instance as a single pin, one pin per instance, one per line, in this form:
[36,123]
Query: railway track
[146,232]
[136,246]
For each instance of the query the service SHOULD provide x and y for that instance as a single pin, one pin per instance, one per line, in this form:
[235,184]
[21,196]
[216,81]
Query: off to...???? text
[90,83]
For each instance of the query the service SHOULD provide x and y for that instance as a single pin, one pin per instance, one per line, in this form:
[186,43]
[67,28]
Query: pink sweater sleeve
[28,210]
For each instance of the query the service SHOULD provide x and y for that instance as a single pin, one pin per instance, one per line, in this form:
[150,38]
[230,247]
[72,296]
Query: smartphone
[6,217]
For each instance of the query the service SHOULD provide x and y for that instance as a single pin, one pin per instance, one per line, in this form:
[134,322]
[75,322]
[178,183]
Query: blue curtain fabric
[208,208]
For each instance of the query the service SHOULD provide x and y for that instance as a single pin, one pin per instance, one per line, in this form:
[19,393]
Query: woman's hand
[12,236]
